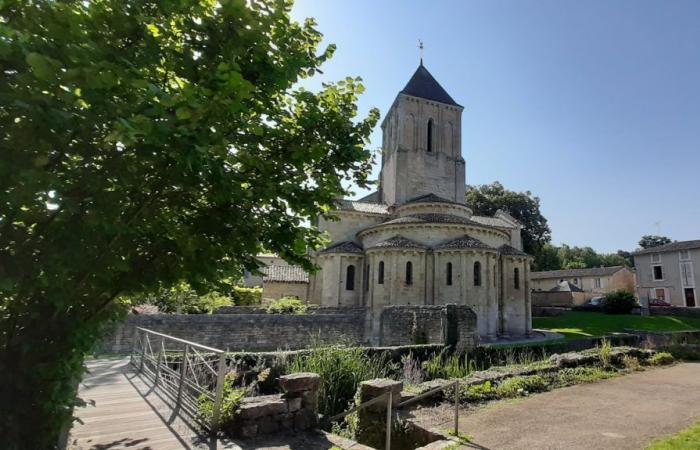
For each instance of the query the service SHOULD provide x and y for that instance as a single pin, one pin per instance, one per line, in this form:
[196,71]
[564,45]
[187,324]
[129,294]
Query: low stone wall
[674,311]
[434,324]
[295,410]
[252,329]
[238,332]
[558,299]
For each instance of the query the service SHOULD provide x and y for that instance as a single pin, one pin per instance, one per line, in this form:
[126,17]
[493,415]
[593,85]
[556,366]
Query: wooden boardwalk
[128,414]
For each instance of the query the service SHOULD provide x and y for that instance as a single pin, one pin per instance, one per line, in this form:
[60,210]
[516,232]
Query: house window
[597,283]
[516,278]
[655,257]
[350,278]
[684,255]
[660,294]
[430,135]
[658,273]
[409,273]
[576,281]
[380,275]
[477,273]
[449,274]
[687,276]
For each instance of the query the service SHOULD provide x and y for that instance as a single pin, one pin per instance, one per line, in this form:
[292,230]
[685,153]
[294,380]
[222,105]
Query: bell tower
[422,144]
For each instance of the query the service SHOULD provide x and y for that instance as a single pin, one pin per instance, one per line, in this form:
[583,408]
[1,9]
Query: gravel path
[620,413]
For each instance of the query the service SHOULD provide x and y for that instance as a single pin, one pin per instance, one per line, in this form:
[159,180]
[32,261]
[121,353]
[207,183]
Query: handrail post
[457,408]
[183,373]
[133,346]
[218,399]
[388,421]
[160,357]
[143,353]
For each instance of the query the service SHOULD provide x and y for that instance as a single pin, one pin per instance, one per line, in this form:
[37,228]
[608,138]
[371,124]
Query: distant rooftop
[566,273]
[285,274]
[672,247]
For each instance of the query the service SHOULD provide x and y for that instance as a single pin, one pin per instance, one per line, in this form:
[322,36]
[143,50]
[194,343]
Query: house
[267,259]
[668,273]
[565,294]
[284,281]
[593,282]
[415,241]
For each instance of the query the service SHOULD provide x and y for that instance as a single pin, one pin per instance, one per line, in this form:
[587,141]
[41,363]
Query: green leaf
[42,66]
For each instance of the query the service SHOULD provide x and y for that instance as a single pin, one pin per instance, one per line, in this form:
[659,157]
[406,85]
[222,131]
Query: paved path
[127,414]
[620,413]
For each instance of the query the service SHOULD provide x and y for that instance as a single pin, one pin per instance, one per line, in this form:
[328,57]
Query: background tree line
[525,207]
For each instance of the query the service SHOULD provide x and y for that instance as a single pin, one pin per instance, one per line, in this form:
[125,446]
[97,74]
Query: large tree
[523,206]
[649,241]
[144,143]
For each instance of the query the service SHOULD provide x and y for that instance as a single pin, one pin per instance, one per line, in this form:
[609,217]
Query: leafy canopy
[145,143]
[649,241]
[523,206]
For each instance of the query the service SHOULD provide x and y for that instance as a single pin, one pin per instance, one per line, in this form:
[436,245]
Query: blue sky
[594,106]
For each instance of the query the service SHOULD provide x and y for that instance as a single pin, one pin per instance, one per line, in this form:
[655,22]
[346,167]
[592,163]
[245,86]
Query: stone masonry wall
[249,329]
[238,332]
[428,324]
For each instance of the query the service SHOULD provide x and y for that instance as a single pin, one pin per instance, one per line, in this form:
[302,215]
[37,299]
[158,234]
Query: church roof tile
[429,198]
[506,249]
[465,241]
[399,241]
[365,207]
[431,218]
[343,247]
[422,84]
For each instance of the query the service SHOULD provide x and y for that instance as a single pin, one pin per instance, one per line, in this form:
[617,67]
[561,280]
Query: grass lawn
[576,324]
[685,440]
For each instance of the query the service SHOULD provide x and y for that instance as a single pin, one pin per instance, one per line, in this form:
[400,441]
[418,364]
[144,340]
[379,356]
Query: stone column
[371,423]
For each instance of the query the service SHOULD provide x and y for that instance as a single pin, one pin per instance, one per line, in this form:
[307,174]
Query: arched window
[516,278]
[477,273]
[380,275]
[350,278]
[430,135]
[493,275]
[449,274]
[409,273]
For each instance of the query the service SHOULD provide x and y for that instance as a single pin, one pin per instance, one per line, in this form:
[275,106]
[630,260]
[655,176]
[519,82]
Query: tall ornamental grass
[342,369]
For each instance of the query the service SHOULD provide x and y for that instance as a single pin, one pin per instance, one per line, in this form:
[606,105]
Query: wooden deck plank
[128,414]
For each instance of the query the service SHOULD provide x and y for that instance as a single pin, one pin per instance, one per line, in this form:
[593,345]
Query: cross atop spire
[420,47]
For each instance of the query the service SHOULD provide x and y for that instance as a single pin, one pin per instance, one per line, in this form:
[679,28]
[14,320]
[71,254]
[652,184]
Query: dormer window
[430,135]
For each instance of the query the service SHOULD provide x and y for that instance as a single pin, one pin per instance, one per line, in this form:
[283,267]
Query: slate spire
[422,84]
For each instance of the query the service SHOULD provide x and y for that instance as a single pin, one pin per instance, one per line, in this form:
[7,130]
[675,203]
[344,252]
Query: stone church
[414,241]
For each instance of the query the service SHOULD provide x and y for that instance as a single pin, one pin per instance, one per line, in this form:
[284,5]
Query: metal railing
[185,371]
[389,401]
[455,386]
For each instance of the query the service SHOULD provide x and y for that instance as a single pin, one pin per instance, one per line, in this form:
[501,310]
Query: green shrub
[243,296]
[230,405]
[287,305]
[619,302]
[341,369]
[478,392]
[444,365]
[516,386]
[578,375]
[181,299]
[661,359]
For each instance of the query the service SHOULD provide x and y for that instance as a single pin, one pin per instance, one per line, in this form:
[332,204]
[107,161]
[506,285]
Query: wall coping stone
[299,382]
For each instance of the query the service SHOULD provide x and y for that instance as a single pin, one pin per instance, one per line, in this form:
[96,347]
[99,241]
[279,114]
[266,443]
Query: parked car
[657,302]
[596,301]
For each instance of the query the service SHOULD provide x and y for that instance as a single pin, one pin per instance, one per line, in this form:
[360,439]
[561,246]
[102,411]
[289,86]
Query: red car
[657,302]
